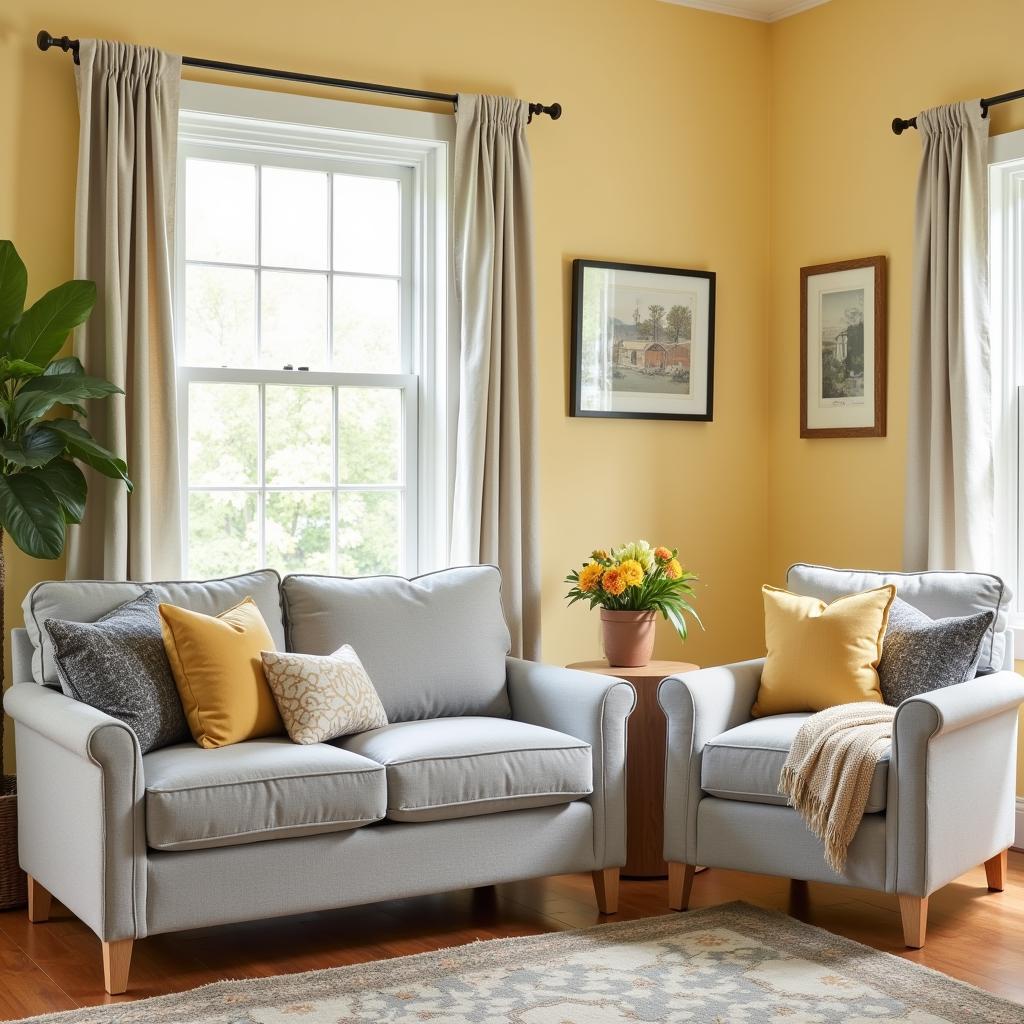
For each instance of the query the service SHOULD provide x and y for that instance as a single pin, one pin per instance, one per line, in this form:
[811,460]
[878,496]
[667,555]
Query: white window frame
[224,122]
[1006,274]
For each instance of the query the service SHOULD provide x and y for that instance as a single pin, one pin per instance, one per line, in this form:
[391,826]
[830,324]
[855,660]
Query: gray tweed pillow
[920,653]
[118,664]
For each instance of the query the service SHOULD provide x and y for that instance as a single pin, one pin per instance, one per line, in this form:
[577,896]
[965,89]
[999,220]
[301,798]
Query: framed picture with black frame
[643,341]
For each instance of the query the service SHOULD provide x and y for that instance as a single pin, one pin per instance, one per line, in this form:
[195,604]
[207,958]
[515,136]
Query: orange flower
[663,554]
[590,577]
[673,570]
[613,581]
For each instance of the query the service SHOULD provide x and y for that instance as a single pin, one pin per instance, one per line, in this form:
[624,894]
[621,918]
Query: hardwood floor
[973,934]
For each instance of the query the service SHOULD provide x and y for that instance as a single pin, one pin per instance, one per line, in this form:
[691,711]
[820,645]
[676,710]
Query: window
[312,335]
[1006,245]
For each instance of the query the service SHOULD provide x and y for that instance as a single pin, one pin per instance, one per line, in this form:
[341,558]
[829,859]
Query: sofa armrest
[699,706]
[593,708]
[81,816]
[952,781]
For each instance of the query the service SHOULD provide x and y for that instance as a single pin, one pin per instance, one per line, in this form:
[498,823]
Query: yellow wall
[659,158]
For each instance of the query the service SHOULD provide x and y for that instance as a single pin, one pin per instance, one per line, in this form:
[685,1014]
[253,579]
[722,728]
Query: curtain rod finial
[44,40]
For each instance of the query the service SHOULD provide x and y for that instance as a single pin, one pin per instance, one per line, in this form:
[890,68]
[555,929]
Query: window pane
[220,213]
[220,316]
[369,532]
[223,537]
[294,221]
[298,531]
[223,423]
[298,435]
[366,333]
[369,435]
[294,320]
[367,225]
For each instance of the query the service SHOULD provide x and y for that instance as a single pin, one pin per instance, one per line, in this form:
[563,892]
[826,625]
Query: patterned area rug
[732,964]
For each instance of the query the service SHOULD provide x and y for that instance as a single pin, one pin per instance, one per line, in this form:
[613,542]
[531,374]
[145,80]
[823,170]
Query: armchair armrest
[81,821]
[593,708]
[952,780]
[699,706]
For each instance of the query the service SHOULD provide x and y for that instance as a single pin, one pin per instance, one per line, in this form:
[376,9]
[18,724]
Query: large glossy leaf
[35,449]
[69,364]
[32,515]
[67,482]
[13,368]
[45,324]
[81,445]
[13,284]
[41,394]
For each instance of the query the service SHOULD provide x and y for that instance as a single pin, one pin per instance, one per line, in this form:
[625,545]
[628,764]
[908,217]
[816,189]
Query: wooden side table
[645,764]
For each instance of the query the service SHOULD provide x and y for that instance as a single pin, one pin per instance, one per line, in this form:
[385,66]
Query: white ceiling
[756,10]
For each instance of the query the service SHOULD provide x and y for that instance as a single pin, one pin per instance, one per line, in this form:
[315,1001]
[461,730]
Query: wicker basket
[13,883]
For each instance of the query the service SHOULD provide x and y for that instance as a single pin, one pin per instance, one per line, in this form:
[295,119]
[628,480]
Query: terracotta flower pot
[628,637]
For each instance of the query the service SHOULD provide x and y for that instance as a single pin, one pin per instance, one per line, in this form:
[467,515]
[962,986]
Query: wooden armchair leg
[995,872]
[39,901]
[606,888]
[117,961]
[680,882]
[914,911]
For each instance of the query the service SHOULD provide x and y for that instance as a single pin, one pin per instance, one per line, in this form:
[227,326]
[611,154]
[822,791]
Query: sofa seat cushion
[745,763]
[459,767]
[257,790]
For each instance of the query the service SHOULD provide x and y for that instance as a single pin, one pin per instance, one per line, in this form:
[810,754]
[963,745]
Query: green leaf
[13,368]
[81,445]
[32,515]
[67,482]
[41,331]
[41,394]
[13,284]
[69,364]
[35,449]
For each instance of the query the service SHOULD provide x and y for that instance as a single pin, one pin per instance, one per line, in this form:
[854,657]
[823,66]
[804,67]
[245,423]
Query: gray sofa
[941,802]
[492,769]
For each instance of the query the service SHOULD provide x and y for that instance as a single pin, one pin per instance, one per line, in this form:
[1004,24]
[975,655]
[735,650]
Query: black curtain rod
[900,124]
[554,110]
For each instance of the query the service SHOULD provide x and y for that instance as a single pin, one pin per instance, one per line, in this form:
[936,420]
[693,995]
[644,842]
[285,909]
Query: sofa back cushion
[89,600]
[434,645]
[937,594]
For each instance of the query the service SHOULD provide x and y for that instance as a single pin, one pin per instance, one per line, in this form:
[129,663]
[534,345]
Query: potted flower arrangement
[631,584]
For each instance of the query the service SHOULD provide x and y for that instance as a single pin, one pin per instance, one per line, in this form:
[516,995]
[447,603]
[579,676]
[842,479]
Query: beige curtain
[128,107]
[950,505]
[494,515]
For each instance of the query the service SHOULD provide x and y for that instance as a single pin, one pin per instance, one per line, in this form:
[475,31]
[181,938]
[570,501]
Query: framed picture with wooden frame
[843,353]
[643,341]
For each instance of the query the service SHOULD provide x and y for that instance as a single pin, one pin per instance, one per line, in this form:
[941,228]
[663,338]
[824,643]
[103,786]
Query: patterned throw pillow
[118,665]
[920,654]
[322,697]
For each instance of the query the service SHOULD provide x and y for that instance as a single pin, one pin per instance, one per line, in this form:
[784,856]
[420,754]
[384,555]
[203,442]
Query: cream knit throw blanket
[828,773]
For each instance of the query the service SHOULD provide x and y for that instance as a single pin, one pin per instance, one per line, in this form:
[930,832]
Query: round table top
[652,670]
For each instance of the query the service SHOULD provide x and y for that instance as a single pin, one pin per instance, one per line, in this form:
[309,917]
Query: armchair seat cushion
[459,767]
[257,790]
[745,763]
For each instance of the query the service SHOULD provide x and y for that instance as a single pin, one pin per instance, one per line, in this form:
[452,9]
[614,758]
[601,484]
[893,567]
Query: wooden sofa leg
[680,882]
[995,872]
[914,911]
[606,888]
[117,961]
[39,901]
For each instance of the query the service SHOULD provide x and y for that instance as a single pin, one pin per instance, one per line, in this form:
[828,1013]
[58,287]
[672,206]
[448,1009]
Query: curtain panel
[950,502]
[494,513]
[128,98]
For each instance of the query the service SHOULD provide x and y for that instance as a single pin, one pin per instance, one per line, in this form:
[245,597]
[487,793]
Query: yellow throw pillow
[218,668]
[821,655]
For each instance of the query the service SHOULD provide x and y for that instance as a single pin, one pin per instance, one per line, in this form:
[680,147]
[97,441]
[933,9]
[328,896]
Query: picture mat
[842,412]
[609,295]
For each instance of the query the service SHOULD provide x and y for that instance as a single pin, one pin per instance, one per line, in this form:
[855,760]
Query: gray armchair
[941,802]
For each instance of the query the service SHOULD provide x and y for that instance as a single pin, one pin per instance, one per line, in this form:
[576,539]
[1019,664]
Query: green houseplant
[42,488]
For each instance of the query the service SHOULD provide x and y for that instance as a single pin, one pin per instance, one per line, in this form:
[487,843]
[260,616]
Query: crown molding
[736,10]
